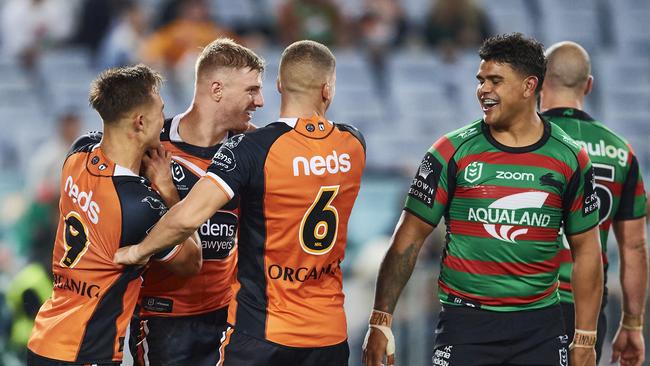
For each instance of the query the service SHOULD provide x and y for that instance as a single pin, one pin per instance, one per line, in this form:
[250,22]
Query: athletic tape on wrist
[390,346]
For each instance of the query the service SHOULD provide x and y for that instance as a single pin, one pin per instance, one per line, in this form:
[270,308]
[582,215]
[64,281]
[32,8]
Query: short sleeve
[580,199]
[233,164]
[632,204]
[428,195]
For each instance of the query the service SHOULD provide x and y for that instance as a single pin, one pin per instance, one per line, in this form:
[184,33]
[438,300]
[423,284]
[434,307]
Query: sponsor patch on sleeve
[590,199]
[224,160]
[425,183]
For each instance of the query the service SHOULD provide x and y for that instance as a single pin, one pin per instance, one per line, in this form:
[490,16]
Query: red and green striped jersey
[619,184]
[503,208]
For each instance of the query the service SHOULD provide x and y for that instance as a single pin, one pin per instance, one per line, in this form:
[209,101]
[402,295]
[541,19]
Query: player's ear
[590,85]
[216,90]
[278,85]
[327,92]
[138,121]
[530,85]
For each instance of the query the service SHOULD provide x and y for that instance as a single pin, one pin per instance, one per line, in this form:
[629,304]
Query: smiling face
[241,95]
[502,92]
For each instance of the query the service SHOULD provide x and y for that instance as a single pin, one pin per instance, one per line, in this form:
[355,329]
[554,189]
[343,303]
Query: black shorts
[35,360]
[178,341]
[243,350]
[467,336]
[569,322]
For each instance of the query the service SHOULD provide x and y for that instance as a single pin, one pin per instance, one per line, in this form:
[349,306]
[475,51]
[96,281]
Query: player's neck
[122,149]
[560,99]
[199,127]
[521,132]
[301,107]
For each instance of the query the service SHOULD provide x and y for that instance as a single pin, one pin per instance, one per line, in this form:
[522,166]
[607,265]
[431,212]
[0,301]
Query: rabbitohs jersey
[619,184]
[503,208]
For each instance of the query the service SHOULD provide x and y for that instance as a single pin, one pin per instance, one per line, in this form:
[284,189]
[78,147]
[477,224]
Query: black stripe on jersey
[252,231]
[141,208]
[98,342]
[626,204]
[354,131]
[570,194]
[85,142]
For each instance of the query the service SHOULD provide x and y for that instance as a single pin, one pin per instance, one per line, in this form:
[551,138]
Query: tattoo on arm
[394,272]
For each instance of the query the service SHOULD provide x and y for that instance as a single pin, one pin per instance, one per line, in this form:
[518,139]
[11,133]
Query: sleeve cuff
[221,184]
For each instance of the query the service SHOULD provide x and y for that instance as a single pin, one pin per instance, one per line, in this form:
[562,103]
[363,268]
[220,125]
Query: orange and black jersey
[103,207]
[165,294]
[298,180]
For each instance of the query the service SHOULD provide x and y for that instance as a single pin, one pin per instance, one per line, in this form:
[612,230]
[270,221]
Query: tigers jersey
[619,184]
[164,294]
[298,180]
[103,207]
[503,208]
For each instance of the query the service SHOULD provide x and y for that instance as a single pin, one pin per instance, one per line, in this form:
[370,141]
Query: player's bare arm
[587,281]
[394,273]
[628,345]
[178,223]
[188,260]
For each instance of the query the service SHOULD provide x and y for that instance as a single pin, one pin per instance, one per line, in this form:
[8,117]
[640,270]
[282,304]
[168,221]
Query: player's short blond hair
[116,92]
[306,65]
[567,65]
[224,52]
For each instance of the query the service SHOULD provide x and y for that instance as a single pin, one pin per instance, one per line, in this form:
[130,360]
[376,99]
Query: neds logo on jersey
[82,199]
[318,165]
[424,185]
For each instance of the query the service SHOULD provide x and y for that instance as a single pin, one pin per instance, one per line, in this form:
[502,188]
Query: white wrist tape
[390,346]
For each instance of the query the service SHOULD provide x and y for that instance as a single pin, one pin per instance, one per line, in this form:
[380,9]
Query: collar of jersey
[175,136]
[103,166]
[518,150]
[572,113]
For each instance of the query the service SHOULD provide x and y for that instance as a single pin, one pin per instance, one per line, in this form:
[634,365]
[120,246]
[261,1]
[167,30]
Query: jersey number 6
[319,225]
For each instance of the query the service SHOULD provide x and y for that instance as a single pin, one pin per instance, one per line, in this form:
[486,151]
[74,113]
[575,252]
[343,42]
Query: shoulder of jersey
[352,130]
[558,134]
[613,134]
[465,133]
[85,143]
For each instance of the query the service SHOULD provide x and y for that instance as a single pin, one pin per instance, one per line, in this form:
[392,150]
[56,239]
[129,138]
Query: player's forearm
[168,193]
[394,273]
[634,277]
[587,282]
[172,229]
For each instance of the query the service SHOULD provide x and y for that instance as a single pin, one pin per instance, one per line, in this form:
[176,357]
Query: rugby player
[506,185]
[105,205]
[181,319]
[298,179]
[620,191]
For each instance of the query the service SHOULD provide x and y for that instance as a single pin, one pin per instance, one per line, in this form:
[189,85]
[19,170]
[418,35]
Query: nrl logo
[473,172]
[177,172]
[468,132]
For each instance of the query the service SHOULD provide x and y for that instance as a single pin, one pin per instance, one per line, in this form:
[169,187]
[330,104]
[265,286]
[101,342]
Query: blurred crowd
[168,35]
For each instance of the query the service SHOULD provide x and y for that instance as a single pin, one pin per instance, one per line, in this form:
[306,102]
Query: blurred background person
[122,43]
[456,25]
[316,20]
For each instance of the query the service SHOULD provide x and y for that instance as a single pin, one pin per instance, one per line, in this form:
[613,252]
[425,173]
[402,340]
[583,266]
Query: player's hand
[580,356]
[628,347]
[374,349]
[156,165]
[129,256]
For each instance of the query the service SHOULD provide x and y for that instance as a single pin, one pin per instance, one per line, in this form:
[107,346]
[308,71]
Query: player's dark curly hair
[115,92]
[525,55]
